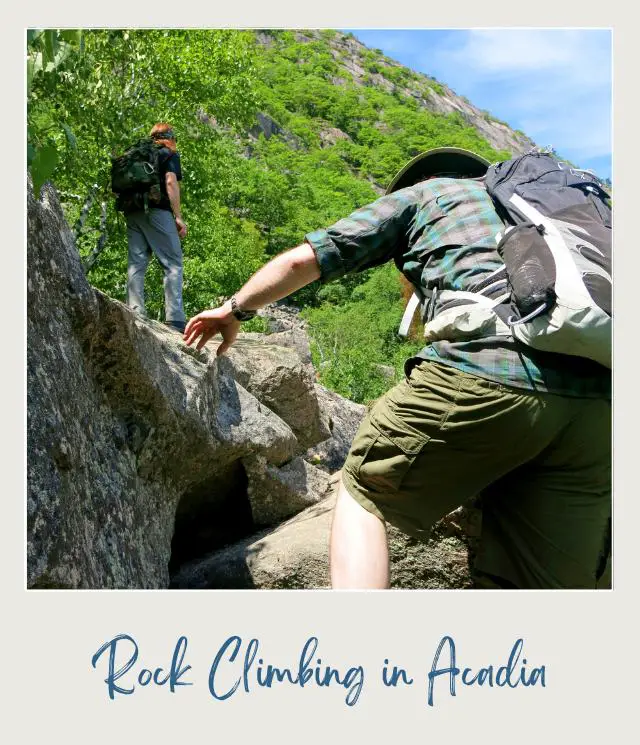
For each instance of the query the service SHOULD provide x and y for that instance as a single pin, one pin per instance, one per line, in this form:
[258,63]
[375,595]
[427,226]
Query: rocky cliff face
[427,93]
[151,464]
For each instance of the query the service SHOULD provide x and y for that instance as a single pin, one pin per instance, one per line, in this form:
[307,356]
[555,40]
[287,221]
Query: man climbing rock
[478,413]
[155,226]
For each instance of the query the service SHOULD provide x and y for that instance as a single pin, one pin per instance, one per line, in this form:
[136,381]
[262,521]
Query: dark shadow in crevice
[212,515]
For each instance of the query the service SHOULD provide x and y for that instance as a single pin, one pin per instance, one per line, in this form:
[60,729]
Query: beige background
[587,640]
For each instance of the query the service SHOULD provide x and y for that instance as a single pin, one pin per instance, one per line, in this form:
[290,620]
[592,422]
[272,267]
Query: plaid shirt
[442,233]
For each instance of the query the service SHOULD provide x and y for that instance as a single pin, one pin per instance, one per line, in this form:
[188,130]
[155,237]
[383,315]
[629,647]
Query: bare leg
[359,554]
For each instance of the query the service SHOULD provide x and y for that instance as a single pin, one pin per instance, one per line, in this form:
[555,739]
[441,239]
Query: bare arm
[283,275]
[173,192]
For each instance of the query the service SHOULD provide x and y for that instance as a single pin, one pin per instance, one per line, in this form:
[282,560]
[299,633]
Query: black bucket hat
[440,161]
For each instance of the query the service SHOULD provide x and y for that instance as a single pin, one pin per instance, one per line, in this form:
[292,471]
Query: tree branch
[84,213]
[102,240]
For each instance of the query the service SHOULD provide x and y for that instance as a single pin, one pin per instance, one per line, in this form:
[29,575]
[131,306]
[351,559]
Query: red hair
[161,128]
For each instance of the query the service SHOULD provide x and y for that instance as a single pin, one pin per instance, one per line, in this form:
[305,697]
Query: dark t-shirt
[169,163]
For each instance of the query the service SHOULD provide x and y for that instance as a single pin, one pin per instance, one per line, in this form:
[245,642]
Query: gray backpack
[557,264]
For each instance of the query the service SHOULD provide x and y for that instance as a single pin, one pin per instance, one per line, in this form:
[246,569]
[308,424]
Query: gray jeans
[155,231]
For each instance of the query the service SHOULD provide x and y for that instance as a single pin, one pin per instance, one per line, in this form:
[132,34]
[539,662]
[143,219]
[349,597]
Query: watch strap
[241,315]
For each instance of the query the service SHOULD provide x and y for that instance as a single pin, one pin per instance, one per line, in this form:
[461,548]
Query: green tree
[103,90]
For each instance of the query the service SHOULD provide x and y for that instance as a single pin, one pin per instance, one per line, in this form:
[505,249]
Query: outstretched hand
[209,323]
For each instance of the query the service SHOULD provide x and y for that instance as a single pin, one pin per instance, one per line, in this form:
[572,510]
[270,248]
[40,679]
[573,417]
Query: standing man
[156,226]
[527,430]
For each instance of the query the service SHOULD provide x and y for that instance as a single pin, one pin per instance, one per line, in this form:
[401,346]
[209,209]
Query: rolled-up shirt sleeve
[368,237]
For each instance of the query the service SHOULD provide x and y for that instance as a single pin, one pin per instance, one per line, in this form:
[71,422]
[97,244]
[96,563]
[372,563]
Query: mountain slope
[372,67]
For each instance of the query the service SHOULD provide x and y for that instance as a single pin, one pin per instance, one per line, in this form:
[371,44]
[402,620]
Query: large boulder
[343,418]
[276,493]
[296,339]
[278,378]
[296,555]
[134,440]
[282,317]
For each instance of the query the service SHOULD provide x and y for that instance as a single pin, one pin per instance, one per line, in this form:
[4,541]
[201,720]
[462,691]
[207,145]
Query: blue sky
[553,84]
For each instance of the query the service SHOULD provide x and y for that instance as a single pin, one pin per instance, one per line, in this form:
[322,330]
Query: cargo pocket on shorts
[388,456]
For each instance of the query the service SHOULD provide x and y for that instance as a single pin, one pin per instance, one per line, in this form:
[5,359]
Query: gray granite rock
[276,493]
[279,379]
[124,422]
[343,418]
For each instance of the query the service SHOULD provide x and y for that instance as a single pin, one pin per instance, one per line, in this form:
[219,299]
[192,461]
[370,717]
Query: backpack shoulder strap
[409,313]
[421,298]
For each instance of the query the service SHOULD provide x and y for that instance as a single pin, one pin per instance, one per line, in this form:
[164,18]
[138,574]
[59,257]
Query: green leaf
[73,36]
[30,70]
[31,151]
[42,166]
[62,54]
[33,34]
[71,138]
[50,45]
[37,64]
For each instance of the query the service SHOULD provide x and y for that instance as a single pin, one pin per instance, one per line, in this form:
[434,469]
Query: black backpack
[555,287]
[557,255]
[135,176]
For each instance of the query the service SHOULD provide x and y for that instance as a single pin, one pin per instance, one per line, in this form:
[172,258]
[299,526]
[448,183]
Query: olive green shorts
[540,462]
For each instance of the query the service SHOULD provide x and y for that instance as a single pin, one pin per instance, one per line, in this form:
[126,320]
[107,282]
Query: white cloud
[554,84]
[503,52]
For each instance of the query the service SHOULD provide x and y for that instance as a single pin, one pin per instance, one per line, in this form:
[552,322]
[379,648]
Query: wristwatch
[241,315]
